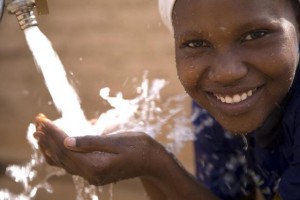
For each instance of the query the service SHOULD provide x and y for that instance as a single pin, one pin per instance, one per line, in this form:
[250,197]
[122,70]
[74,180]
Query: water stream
[146,112]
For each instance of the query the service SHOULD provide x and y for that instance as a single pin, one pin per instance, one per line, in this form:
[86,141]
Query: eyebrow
[248,25]
[259,22]
[188,33]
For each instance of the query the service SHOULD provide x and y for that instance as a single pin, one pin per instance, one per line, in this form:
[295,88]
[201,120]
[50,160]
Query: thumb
[92,144]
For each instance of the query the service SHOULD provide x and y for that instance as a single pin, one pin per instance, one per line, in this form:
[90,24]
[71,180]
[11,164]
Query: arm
[176,184]
[153,192]
[110,158]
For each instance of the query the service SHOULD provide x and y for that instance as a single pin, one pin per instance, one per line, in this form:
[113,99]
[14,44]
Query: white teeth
[222,99]
[249,93]
[228,99]
[235,98]
[244,96]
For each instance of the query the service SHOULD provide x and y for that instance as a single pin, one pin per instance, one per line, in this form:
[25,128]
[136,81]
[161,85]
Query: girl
[237,59]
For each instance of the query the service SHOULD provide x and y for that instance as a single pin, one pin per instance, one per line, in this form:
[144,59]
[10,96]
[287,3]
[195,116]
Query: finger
[38,121]
[38,135]
[48,148]
[50,139]
[45,151]
[38,118]
[107,144]
[41,140]
[49,160]
[114,143]
[45,125]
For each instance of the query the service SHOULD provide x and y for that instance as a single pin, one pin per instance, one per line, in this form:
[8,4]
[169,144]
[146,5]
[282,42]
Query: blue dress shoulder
[233,166]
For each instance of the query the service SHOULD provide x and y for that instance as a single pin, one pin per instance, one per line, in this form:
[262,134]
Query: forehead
[228,12]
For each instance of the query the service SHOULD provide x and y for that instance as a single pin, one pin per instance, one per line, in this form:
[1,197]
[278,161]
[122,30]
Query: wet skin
[238,67]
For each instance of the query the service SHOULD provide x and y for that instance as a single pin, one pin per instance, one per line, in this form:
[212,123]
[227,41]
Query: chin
[238,132]
[239,128]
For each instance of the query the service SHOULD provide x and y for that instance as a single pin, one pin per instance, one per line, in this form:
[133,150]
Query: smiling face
[236,58]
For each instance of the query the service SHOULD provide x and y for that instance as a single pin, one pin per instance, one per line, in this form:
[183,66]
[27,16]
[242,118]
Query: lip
[234,109]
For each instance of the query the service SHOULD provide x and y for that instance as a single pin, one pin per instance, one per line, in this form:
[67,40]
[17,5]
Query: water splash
[146,112]
[33,175]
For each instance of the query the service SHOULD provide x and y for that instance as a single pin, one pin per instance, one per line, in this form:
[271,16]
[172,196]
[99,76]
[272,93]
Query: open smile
[235,98]
[235,102]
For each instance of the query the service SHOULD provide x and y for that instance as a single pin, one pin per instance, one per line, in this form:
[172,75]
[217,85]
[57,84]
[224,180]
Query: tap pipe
[23,9]
[1,9]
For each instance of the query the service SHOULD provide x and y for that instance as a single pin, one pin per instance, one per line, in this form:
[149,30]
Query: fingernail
[41,118]
[37,135]
[70,142]
[41,115]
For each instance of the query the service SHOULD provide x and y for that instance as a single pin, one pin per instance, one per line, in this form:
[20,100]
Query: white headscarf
[165,9]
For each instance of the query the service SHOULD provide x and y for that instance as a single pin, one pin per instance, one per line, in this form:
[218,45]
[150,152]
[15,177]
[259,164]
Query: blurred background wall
[101,43]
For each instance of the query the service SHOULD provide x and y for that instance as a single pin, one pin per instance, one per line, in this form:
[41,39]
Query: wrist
[164,174]
[158,164]
[174,181]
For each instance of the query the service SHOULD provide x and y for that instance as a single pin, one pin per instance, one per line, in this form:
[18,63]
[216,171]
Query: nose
[227,68]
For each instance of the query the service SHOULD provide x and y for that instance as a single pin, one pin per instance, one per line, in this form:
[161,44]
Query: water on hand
[144,113]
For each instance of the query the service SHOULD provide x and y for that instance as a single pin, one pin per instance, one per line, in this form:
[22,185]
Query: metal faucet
[1,8]
[23,9]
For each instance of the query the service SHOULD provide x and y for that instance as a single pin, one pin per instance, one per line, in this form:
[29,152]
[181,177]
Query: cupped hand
[101,159]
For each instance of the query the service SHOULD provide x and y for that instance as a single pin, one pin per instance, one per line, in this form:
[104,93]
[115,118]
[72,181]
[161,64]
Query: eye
[253,35]
[196,44]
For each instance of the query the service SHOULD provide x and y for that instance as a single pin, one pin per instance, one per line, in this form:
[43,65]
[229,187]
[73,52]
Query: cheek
[286,57]
[283,70]
[188,75]
[281,62]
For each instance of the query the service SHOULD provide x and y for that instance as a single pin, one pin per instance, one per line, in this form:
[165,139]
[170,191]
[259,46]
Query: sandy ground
[101,43]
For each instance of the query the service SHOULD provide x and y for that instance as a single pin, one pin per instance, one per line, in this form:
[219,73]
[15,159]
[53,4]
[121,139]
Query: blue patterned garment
[232,166]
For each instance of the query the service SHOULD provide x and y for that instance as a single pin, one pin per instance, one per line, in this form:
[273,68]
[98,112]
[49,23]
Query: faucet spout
[23,9]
